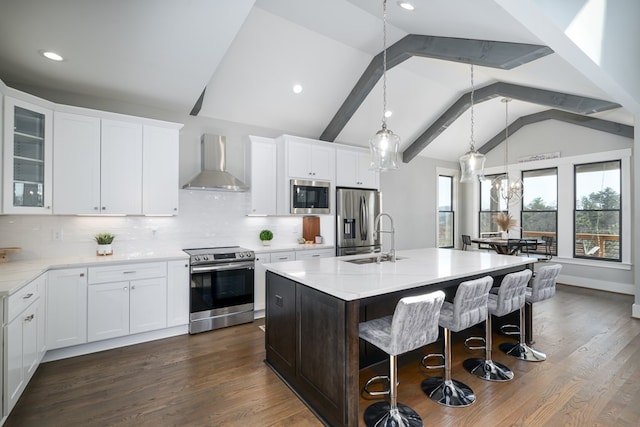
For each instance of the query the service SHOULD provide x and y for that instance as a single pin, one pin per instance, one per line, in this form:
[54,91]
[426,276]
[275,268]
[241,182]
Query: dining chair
[466,241]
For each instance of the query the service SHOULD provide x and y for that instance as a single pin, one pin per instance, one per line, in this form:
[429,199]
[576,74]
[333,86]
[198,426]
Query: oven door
[218,289]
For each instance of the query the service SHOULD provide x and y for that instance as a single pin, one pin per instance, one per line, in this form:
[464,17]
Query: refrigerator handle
[364,218]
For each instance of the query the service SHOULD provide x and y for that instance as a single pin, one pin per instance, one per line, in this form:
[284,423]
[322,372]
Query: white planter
[104,250]
[266,243]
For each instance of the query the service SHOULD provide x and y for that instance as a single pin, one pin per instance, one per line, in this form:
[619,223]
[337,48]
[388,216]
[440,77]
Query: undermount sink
[372,259]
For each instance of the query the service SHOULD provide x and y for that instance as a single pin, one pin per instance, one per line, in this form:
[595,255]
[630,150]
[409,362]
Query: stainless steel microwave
[310,197]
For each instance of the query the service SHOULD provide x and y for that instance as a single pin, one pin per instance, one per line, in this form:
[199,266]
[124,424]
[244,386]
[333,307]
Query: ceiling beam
[485,53]
[573,103]
[608,126]
[198,105]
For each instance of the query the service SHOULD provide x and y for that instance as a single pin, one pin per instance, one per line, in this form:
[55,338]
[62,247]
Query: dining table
[507,246]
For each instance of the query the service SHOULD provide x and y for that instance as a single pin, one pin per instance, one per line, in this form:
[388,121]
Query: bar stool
[414,324]
[543,287]
[508,298]
[469,308]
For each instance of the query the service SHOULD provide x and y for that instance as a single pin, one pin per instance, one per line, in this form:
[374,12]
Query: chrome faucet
[392,251]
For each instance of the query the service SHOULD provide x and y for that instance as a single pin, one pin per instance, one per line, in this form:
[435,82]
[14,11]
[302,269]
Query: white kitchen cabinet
[314,253]
[160,178]
[262,161]
[108,311]
[310,160]
[178,288]
[352,169]
[147,305]
[66,308]
[126,299]
[121,167]
[23,340]
[28,143]
[76,157]
[260,274]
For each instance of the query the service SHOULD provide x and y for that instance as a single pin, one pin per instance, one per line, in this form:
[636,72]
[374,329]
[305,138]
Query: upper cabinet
[160,175]
[105,166]
[27,158]
[352,169]
[262,161]
[310,160]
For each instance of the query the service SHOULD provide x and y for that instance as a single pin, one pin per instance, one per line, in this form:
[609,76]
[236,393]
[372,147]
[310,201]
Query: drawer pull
[27,296]
[128,272]
[28,318]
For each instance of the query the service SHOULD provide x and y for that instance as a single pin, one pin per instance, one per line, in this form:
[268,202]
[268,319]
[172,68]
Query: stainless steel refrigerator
[356,211]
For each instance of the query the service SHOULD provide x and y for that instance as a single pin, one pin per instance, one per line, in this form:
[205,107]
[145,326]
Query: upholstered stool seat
[543,286]
[509,297]
[414,324]
[469,308]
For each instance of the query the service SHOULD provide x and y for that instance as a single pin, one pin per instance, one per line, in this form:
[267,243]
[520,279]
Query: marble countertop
[347,281]
[15,274]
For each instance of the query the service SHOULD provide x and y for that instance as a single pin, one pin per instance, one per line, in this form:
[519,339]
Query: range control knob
[205,257]
[248,254]
[197,258]
[240,254]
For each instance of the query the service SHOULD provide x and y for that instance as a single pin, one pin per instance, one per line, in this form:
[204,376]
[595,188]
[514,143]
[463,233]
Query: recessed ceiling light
[297,88]
[51,55]
[406,5]
[388,113]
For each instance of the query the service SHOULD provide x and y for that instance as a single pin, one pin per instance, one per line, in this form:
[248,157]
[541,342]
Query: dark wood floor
[591,377]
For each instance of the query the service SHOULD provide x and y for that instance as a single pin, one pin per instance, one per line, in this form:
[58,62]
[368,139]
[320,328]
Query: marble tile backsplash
[206,219]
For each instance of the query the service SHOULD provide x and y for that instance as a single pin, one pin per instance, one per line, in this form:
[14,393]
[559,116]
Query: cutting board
[6,251]
[310,228]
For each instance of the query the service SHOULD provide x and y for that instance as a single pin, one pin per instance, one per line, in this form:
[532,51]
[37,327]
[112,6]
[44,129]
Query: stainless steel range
[221,287]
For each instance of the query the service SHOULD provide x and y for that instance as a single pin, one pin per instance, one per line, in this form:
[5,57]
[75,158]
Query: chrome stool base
[488,369]
[523,352]
[380,414]
[448,392]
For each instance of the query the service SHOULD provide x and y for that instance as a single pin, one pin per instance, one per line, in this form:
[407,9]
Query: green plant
[266,235]
[104,238]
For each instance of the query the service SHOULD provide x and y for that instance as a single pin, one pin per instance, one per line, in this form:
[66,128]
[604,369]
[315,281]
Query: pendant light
[472,162]
[505,187]
[384,144]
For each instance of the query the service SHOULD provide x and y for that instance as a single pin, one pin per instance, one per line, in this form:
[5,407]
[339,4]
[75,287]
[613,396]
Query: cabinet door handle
[95,208]
[104,208]
[27,296]
[29,318]
[125,288]
[81,274]
[186,265]
[133,287]
[283,257]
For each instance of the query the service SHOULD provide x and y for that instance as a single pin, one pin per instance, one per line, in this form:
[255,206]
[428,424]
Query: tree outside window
[540,205]
[597,211]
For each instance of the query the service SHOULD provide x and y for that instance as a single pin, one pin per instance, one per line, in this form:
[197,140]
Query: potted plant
[104,241]
[505,222]
[265,237]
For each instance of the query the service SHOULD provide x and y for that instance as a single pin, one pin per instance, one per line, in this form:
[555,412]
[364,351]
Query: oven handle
[229,266]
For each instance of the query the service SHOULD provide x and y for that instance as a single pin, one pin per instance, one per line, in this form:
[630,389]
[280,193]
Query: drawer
[22,299]
[124,272]
[282,256]
[318,253]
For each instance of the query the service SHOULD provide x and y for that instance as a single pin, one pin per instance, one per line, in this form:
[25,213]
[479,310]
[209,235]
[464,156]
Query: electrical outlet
[57,235]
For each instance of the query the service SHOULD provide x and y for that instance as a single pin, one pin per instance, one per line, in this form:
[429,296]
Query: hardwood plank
[591,377]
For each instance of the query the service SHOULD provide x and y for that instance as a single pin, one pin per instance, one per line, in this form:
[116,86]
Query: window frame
[554,250]
[619,210]
[452,211]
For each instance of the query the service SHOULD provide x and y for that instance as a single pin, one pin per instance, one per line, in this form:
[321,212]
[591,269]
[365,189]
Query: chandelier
[472,162]
[384,144]
[506,187]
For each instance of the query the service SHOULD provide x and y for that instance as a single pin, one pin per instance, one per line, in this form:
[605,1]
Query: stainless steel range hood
[214,176]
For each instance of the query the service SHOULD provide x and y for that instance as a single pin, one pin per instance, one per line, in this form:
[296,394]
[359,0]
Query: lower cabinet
[24,341]
[177,293]
[260,270]
[66,308]
[122,308]
[315,253]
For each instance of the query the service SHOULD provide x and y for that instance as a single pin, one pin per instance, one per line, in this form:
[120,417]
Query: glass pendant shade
[471,166]
[384,150]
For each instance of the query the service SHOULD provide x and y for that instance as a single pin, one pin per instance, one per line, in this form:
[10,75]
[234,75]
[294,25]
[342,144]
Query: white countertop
[417,267]
[15,274]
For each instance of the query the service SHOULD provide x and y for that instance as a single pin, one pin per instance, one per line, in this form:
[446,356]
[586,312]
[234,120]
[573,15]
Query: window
[597,211]
[540,205]
[445,212]
[490,206]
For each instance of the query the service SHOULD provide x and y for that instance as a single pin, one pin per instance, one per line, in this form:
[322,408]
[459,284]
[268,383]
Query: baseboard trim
[93,347]
[585,282]
[635,311]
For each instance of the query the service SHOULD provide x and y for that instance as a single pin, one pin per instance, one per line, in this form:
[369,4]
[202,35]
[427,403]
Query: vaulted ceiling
[248,54]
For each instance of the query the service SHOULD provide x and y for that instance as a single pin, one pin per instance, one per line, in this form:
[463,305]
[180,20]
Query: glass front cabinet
[27,158]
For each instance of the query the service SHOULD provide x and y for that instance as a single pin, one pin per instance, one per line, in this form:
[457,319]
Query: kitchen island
[314,307]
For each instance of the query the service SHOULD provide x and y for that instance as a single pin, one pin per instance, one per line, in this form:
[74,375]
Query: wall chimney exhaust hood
[213,175]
